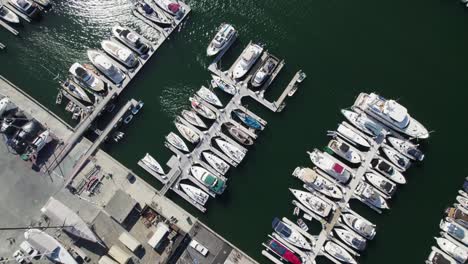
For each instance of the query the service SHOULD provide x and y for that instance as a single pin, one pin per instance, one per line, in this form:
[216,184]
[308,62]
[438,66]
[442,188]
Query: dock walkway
[181,163]
[343,204]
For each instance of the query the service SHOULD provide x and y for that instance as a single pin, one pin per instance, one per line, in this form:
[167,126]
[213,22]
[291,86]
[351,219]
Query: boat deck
[180,163]
[341,206]
[16,11]
[113,92]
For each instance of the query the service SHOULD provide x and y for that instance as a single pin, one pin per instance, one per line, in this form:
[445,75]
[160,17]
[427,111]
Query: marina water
[413,51]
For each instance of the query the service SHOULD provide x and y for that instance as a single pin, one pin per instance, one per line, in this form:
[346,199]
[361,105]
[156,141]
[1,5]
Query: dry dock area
[102,181]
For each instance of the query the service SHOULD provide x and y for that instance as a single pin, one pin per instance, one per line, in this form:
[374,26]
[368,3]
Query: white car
[28,249]
[198,247]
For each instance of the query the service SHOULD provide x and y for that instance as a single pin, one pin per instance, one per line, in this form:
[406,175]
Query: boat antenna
[56,76]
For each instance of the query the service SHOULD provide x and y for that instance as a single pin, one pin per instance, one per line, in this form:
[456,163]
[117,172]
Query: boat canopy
[338,168]
[173,7]
[61,214]
[147,8]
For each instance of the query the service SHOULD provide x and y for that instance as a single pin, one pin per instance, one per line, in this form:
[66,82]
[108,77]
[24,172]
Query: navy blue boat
[248,120]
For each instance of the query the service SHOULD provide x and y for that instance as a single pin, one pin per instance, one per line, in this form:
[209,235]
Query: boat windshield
[83,74]
[283,230]
[23,4]
[147,8]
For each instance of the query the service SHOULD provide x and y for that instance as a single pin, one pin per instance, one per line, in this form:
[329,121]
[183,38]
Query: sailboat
[339,253]
[187,133]
[229,149]
[177,142]
[149,161]
[208,95]
[239,135]
[195,193]
[193,118]
[201,109]
[216,162]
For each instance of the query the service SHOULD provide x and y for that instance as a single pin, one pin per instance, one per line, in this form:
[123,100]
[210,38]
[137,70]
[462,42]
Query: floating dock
[113,92]
[181,163]
[351,190]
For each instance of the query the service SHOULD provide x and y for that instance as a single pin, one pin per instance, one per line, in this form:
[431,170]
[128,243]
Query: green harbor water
[413,51]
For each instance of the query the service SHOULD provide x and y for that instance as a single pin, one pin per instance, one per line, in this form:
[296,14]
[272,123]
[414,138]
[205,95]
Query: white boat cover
[61,214]
[48,245]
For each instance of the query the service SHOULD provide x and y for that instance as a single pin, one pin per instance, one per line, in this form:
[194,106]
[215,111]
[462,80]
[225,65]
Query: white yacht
[321,184]
[224,35]
[172,7]
[216,162]
[384,167]
[7,15]
[331,167]
[214,183]
[454,230]
[195,193]
[230,150]
[288,233]
[392,114]
[76,91]
[131,39]
[153,14]
[27,7]
[463,201]
[406,148]
[149,161]
[352,239]
[352,136]
[381,183]
[219,83]
[177,142]
[313,202]
[359,225]
[120,53]
[264,72]
[106,66]
[41,140]
[344,150]
[339,253]
[400,161]
[193,118]
[209,96]
[187,133]
[370,195]
[364,123]
[459,253]
[87,78]
[437,256]
[248,57]
[202,109]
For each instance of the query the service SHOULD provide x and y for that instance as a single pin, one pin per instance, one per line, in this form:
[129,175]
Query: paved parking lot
[23,192]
